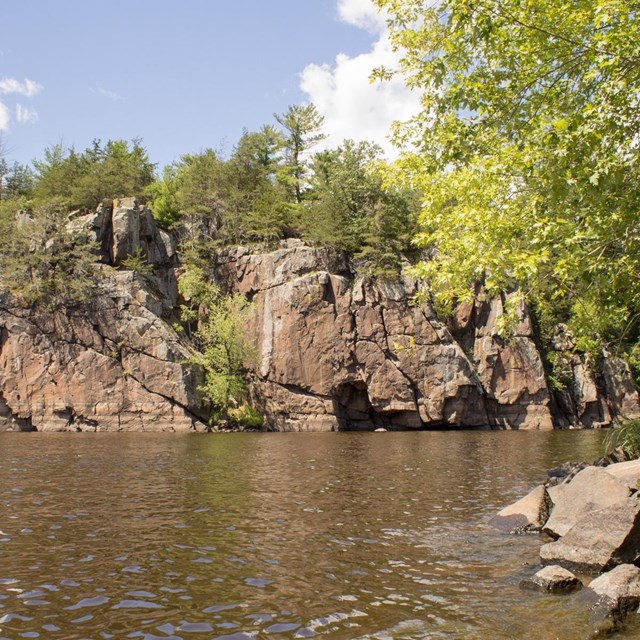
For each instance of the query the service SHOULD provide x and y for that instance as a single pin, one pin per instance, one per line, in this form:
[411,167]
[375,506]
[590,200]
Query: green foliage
[526,151]
[627,436]
[349,207]
[138,263]
[164,201]
[16,180]
[83,180]
[41,260]
[271,187]
[246,416]
[560,371]
[302,125]
[228,201]
[223,346]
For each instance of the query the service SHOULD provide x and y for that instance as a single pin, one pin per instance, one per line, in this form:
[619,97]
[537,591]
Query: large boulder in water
[612,597]
[600,539]
[591,489]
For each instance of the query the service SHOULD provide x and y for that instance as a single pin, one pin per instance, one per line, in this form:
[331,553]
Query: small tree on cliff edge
[302,125]
[216,325]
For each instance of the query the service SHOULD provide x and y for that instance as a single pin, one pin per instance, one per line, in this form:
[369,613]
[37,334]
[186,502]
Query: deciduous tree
[527,150]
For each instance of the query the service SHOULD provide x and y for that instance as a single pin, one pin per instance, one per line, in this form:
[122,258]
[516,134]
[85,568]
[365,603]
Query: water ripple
[278,536]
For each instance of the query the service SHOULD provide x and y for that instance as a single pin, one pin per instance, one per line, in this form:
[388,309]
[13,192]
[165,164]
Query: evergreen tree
[302,126]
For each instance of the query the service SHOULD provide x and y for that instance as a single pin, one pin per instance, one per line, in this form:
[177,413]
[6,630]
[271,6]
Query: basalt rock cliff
[113,364]
[335,351]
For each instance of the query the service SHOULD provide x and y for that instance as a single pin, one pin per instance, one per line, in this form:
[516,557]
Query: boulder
[592,488]
[627,472]
[527,514]
[552,579]
[599,539]
[612,597]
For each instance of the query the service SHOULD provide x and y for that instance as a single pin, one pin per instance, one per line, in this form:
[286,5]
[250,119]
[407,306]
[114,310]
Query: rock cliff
[113,364]
[335,351]
[341,352]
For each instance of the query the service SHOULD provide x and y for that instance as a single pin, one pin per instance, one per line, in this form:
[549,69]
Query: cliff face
[338,352]
[334,351]
[113,364]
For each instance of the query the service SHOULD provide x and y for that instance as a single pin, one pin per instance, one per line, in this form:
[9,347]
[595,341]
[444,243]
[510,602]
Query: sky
[186,75]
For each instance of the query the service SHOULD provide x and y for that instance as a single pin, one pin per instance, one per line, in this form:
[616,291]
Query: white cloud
[352,106]
[25,115]
[28,88]
[5,117]
[361,13]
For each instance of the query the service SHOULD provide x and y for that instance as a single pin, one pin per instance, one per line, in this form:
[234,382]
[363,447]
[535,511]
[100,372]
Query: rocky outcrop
[336,352]
[110,365]
[599,524]
[122,228]
[114,363]
[594,517]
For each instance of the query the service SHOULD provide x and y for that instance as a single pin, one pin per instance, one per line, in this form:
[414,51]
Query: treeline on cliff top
[273,185]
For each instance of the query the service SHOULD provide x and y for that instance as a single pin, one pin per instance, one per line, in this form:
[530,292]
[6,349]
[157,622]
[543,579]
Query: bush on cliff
[216,326]
[41,261]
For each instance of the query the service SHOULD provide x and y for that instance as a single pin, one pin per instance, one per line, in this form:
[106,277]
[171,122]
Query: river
[352,536]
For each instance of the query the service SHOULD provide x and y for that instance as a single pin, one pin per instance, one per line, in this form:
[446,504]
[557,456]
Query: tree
[526,149]
[165,202]
[351,209]
[236,200]
[41,260]
[257,208]
[302,125]
[83,180]
[58,172]
[16,181]
[221,340]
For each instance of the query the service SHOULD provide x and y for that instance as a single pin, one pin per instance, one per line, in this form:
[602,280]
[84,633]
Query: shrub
[626,436]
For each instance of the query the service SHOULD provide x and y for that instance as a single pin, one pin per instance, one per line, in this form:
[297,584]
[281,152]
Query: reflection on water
[345,535]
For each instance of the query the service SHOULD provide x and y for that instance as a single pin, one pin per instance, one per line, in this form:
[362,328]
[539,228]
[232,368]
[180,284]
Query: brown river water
[379,536]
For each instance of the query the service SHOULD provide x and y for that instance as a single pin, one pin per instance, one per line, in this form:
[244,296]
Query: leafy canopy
[526,149]
[82,180]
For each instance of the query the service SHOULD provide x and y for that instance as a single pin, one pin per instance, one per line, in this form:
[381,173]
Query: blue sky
[186,75]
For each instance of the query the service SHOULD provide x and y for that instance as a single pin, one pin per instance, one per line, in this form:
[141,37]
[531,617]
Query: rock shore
[594,519]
